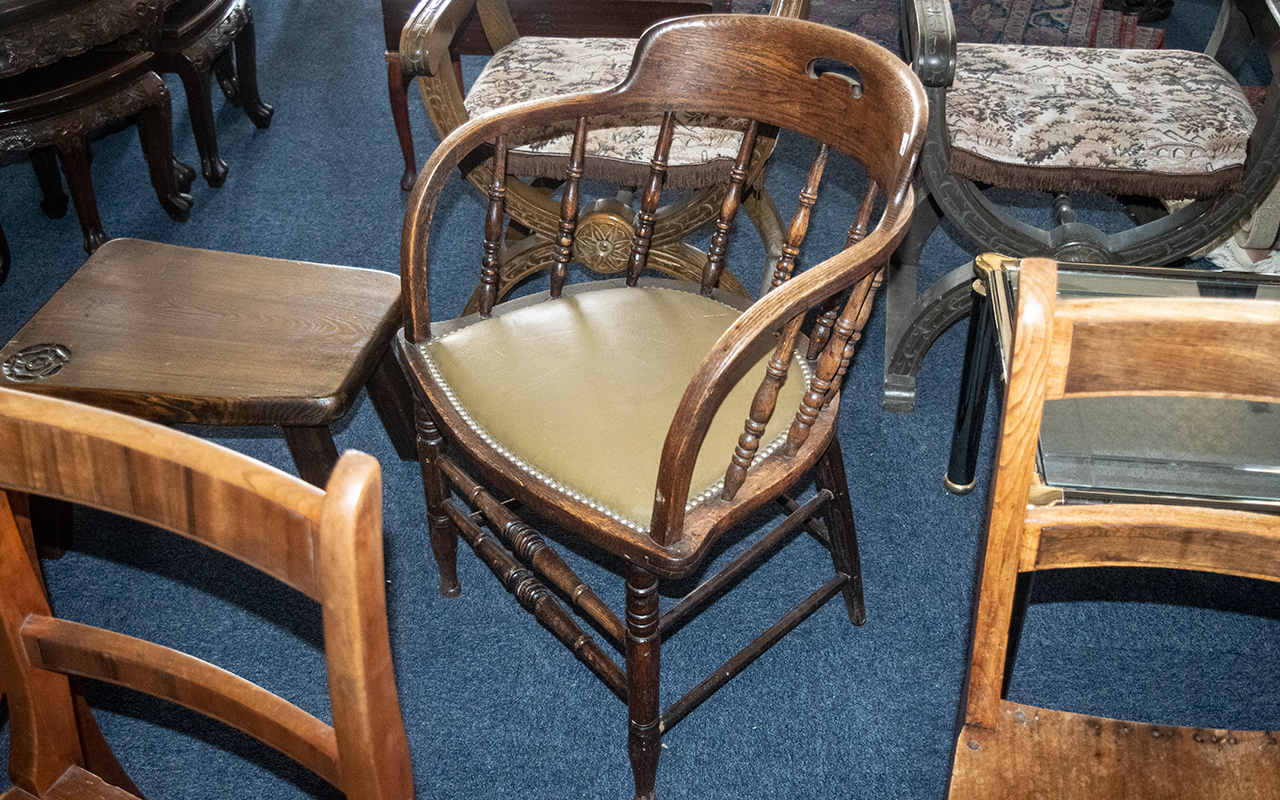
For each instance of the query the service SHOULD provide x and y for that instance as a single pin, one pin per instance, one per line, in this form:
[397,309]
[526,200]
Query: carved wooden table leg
[194,45]
[63,104]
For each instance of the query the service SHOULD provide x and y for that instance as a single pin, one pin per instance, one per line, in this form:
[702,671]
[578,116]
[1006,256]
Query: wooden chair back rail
[664,79]
[650,198]
[729,207]
[766,397]
[326,544]
[204,500]
[569,209]
[1149,356]
[1224,541]
[1074,348]
[493,225]
[831,309]
[73,649]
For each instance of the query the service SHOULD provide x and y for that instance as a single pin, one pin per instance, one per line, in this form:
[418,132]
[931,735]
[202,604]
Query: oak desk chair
[534,67]
[1147,129]
[198,37]
[326,544]
[179,335]
[648,416]
[1190,347]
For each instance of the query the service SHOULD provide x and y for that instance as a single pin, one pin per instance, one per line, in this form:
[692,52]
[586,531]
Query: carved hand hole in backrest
[831,69]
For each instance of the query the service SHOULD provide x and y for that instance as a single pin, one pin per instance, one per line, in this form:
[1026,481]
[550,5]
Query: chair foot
[184,175]
[178,206]
[94,238]
[214,170]
[407,179]
[259,114]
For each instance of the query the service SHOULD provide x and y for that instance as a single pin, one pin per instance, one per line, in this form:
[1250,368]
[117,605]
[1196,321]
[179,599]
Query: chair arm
[929,36]
[425,40]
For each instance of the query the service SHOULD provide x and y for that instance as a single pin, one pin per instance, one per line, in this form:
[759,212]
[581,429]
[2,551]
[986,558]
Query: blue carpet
[493,707]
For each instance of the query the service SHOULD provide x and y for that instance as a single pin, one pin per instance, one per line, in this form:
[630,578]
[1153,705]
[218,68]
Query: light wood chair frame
[326,544]
[1108,347]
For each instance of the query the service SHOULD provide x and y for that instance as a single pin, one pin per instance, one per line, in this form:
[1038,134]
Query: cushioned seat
[614,385]
[533,67]
[1170,124]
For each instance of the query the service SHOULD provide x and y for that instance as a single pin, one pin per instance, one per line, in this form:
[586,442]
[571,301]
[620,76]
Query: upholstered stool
[174,334]
[59,107]
[1158,123]
[196,38]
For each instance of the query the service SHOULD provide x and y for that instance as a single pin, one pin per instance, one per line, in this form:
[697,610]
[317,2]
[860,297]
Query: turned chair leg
[644,733]
[74,153]
[398,90]
[843,535]
[246,48]
[443,535]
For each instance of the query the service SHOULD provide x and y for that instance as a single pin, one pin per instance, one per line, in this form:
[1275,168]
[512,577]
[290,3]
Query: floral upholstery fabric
[1171,124]
[536,67]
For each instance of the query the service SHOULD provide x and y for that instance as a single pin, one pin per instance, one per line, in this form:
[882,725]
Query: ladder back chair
[326,544]
[649,416]
[1111,347]
[532,67]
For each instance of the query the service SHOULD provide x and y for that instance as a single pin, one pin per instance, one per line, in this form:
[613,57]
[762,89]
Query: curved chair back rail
[324,543]
[526,67]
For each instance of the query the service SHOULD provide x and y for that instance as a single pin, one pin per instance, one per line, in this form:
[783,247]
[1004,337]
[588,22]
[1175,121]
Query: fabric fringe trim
[1106,181]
